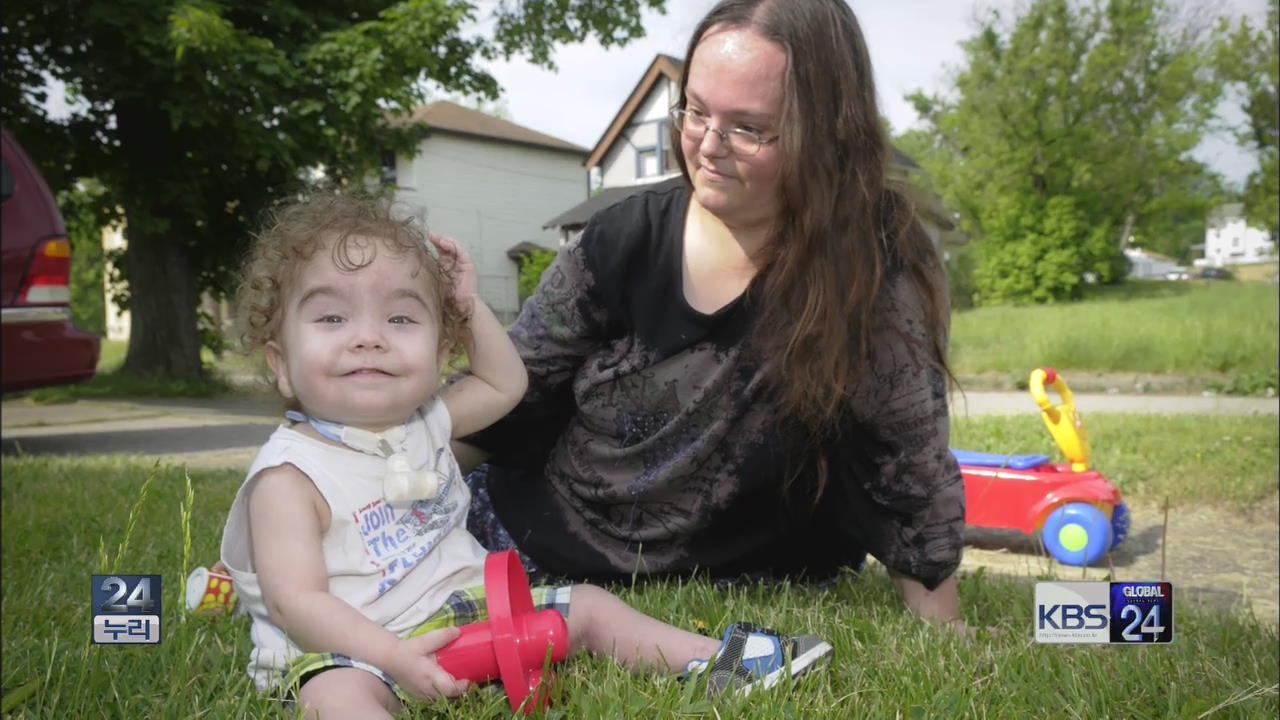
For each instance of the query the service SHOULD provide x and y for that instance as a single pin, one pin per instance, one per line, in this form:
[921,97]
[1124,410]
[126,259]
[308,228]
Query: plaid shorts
[462,608]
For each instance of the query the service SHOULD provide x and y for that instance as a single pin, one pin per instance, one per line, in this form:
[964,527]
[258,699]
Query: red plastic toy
[1078,512]
[515,643]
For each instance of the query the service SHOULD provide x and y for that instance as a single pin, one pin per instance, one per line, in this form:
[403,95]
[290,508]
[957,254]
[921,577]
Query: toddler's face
[360,348]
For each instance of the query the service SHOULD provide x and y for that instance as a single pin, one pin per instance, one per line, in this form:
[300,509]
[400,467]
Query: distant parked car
[1214,273]
[40,347]
[1177,275]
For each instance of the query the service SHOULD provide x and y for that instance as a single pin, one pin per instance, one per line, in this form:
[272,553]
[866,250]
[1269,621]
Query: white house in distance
[490,184]
[1228,239]
[635,151]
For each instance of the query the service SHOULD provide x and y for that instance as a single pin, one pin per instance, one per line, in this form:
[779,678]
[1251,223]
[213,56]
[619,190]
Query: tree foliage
[1067,135]
[1248,58]
[195,115]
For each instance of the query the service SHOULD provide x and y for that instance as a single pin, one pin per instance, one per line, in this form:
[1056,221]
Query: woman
[742,371]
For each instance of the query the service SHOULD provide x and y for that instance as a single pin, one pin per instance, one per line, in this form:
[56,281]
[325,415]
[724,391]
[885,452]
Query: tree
[1067,136]
[195,115]
[1249,59]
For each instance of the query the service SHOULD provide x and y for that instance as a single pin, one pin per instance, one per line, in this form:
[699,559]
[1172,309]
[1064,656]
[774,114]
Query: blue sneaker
[753,657]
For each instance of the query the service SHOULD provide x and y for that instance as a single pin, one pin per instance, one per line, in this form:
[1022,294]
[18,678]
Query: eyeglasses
[740,140]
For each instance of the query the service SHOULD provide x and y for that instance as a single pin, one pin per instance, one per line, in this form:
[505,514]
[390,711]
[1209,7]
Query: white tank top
[396,564]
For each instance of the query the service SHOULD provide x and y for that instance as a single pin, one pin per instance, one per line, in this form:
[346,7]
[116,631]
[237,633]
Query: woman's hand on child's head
[414,666]
[458,263]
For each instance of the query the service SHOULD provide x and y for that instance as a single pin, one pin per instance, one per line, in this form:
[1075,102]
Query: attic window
[656,159]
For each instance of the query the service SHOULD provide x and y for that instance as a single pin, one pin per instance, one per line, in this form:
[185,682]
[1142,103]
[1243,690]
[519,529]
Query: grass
[1187,458]
[112,382]
[65,519]
[1143,327]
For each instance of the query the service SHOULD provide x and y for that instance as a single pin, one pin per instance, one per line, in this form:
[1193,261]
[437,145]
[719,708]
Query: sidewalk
[225,432]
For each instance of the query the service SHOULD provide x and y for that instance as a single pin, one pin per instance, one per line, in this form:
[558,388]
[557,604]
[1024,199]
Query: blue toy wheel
[1077,534]
[1120,520]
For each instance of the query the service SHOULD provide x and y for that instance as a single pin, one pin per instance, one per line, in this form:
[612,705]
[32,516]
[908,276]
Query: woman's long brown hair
[842,228]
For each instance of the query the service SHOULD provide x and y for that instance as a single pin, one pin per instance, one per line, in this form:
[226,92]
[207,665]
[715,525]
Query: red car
[39,344]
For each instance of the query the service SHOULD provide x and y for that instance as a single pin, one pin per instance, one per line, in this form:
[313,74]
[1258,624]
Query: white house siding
[1233,242]
[490,196]
[117,320]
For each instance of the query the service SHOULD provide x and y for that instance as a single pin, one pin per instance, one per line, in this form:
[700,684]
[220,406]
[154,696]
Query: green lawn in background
[61,516]
[1140,327]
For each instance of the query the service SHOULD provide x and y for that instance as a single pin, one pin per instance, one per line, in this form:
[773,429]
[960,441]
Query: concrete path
[1016,403]
[225,432]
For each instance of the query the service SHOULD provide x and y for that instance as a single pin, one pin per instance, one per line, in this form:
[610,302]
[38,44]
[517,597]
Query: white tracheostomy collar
[402,483]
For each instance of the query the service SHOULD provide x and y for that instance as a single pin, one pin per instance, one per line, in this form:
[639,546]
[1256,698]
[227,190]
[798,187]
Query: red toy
[515,643]
[1077,511]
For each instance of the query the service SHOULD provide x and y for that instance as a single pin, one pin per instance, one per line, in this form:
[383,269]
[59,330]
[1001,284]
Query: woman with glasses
[741,371]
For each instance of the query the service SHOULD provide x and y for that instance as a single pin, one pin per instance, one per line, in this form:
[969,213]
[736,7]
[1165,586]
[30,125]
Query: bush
[1036,252]
[531,269]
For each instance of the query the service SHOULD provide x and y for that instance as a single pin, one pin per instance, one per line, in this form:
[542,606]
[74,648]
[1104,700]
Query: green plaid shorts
[462,608]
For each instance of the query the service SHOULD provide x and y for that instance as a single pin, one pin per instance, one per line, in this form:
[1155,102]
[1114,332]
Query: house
[635,151]
[1146,264]
[1228,239]
[490,184]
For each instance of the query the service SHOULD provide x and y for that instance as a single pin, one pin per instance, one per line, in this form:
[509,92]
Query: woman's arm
[940,605]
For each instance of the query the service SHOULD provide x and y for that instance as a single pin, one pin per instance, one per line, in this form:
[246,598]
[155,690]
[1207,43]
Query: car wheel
[1120,520]
[1077,534]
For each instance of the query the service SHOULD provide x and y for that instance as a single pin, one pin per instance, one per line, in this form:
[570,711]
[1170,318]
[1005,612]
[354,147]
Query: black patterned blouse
[647,442]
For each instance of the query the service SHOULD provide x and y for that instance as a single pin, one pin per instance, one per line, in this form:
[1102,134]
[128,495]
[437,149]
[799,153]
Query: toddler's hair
[296,230]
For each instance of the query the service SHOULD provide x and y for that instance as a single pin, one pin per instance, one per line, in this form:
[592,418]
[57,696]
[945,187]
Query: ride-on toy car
[1078,512]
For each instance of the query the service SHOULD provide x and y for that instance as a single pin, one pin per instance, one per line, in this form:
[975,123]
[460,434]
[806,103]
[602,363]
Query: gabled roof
[1225,213]
[663,67]
[670,68]
[446,116]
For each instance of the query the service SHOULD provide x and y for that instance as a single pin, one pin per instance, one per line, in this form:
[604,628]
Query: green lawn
[65,519]
[1188,458]
[1141,327]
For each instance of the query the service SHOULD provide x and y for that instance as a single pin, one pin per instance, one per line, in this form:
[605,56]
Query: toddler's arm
[287,521]
[498,379]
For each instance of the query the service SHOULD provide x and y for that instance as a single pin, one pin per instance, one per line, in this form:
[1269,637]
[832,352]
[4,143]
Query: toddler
[347,541]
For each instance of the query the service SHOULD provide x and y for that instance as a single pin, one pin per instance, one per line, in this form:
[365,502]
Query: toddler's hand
[414,666]
[458,264]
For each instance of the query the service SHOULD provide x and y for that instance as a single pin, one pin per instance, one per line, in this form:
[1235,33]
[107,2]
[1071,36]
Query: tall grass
[57,513]
[1145,327]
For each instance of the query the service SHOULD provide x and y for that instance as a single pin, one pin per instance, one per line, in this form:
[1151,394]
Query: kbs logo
[1073,612]
[1101,612]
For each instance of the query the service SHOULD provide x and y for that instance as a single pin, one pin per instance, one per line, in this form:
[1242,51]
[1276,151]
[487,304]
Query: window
[647,162]
[654,159]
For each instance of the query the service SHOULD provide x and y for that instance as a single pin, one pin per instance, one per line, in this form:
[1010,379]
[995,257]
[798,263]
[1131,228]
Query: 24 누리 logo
[126,609]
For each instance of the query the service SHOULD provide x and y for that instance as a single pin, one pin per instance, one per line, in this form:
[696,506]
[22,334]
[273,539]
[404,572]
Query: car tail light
[49,277]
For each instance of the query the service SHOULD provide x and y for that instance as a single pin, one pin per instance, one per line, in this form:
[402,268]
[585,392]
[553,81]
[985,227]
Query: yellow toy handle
[1063,421]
